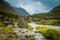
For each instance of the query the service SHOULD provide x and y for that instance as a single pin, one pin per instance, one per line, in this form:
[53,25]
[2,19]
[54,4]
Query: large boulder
[21,23]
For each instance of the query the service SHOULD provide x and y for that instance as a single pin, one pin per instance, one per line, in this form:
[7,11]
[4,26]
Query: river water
[38,36]
[34,25]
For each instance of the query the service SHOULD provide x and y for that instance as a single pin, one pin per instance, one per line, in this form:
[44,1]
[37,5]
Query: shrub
[42,30]
[52,34]
[29,27]
[8,29]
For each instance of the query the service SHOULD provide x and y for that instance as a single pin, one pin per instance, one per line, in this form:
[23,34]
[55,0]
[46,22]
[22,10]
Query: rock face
[21,23]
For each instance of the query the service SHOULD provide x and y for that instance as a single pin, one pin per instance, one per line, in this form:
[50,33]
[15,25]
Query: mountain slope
[21,11]
[6,12]
[56,9]
[50,18]
[53,14]
[5,6]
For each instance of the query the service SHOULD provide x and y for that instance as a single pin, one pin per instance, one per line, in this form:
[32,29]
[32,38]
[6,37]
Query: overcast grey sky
[35,6]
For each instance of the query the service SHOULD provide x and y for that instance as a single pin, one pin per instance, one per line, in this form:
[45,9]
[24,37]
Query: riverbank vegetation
[6,33]
[7,20]
[28,27]
[49,33]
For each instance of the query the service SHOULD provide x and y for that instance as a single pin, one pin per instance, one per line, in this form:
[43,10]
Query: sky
[35,6]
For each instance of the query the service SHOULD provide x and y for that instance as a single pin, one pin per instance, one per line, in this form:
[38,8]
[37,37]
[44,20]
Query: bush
[52,34]
[49,33]
[31,37]
[42,30]
[8,29]
[29,27]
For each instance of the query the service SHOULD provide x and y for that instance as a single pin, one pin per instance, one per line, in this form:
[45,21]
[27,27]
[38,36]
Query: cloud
[34,6]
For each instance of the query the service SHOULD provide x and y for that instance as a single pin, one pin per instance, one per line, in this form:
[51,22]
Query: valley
[18,24]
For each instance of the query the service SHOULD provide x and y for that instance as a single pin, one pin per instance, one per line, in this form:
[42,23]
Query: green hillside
[51,18]
[5,12]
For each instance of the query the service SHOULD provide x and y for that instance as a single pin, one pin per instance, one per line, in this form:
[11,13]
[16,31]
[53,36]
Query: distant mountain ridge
[5,5]
[50,18]
[56,9]
[55,12]
[21,11]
